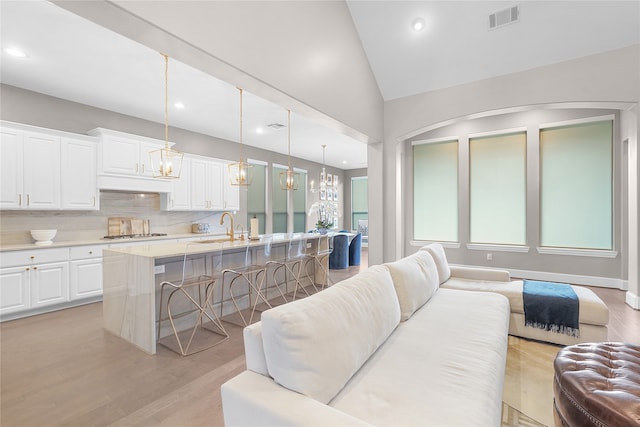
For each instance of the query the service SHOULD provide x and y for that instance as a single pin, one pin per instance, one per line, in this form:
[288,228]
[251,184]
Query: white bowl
[43,237]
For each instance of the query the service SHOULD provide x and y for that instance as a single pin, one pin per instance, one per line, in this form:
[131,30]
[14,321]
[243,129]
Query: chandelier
[240,172]
[289,179]
[165,162]
[326,209]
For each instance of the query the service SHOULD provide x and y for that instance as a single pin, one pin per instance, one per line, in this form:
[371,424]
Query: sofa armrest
[251,399]
[473,273]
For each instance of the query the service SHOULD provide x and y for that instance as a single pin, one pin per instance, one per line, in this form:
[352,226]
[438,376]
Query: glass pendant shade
[240,173]
[289,180]
[166,163]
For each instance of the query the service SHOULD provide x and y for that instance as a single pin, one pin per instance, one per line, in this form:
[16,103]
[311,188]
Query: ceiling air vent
[504,17]
[275,126]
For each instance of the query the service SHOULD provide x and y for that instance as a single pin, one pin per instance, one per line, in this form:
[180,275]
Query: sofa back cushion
[415,279]
[437,252]
[314,345]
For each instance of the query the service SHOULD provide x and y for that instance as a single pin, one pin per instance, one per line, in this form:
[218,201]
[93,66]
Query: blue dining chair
[339,258]
[354,250]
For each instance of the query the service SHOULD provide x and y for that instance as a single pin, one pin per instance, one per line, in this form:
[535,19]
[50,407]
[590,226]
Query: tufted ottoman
[597,384]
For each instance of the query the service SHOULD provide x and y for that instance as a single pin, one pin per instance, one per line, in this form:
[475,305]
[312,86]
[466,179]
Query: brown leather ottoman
[597,384]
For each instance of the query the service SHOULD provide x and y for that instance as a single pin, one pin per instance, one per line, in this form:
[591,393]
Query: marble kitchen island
[132,274]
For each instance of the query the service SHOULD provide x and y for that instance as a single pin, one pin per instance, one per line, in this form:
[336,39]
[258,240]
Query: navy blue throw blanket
[551,306]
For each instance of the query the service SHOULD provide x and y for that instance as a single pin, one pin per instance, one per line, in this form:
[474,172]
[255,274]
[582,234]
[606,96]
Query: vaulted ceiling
[72,58]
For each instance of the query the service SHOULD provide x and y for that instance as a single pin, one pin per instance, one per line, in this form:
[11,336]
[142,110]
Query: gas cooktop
[134,236]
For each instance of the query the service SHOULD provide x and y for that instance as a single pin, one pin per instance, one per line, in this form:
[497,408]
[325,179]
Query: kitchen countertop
[103,241]
[206,246]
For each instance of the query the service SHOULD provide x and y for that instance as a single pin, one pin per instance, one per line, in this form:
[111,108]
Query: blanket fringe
[558,329]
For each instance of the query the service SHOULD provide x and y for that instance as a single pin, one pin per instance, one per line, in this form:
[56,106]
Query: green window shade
[300,204]
[497,175]
[576,174]
[256,196]
[435,191]
[279,202]
[359,200]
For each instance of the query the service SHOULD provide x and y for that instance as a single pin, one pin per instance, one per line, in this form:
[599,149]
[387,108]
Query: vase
[323,230]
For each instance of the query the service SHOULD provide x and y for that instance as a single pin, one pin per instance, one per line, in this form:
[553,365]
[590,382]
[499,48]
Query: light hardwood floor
[63,369]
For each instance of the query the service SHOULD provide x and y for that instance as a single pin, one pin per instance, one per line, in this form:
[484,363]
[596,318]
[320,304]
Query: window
[576,180]
[279,201]
[359,203]
[256,195]
[300,204]
[497,187]
[435,191]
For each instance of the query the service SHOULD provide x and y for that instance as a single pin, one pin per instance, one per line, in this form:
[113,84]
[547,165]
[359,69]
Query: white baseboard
[633,300]
[576,279]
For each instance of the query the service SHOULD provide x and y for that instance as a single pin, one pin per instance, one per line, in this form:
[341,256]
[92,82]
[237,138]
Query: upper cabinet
[124,162]
[43,169]
[79,179]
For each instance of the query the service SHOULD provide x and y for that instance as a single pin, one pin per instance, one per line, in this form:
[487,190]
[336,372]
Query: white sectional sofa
[387,347]
[593,312]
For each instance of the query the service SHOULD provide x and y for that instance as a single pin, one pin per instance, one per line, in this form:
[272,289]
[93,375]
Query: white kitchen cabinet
[180,197]
[79,175]
[85,271]
[206,185]
[30,165]
[10,168]
[15,293]
[33,279]
[231,192]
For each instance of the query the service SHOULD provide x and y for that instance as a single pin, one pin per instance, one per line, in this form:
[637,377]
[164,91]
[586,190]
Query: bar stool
[251,274]
[318,257]
[290,265]
[202,306]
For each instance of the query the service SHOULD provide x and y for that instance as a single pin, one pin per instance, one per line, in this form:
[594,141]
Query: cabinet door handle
[136,168]
[94,201]
[35,268]
[28,200]
[19,199]
[27,269]
[32,257]
[143,168]
[90,252]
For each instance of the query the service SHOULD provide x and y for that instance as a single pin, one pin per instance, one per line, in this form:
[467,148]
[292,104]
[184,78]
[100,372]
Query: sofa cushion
[443,367]
[314,345]
[415,279]
[437,252]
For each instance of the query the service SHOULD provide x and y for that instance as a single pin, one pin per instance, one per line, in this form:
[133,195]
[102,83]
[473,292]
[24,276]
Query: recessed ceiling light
[15,52]
[259,130]
[418,24]
[179,105]
[344,162]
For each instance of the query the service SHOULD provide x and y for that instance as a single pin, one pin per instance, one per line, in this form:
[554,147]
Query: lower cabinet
[33,286]
[85,275]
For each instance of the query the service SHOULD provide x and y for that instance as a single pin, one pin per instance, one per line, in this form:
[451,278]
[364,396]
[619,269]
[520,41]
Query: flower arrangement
[323,224]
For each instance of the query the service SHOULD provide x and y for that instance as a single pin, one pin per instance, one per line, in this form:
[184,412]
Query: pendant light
[165,162]
[240,172]
[289,178]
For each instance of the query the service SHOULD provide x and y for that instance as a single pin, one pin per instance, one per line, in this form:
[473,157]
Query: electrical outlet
[158,269]
[489,257]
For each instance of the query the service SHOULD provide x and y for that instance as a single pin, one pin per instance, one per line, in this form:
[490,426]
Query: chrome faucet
[230,229]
